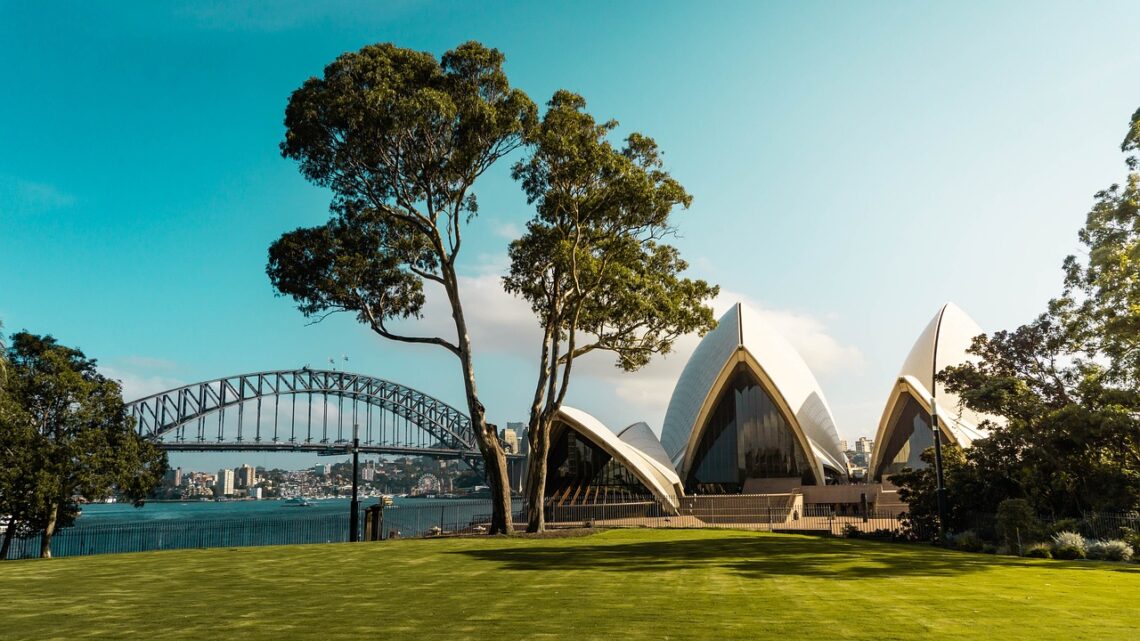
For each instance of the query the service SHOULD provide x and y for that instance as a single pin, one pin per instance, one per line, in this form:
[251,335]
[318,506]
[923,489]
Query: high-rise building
[864,445]
[246,476]
[224,483]
[520,437]
[510,441]
[843,445]
[322,470]
[173,478]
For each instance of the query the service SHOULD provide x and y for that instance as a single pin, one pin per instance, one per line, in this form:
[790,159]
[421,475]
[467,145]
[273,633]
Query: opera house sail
[904,430]
[747,415]
[590,464]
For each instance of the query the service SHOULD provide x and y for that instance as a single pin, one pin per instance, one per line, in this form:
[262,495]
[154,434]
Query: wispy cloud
[137,385]
[500,323]
[19,197]
[507,230]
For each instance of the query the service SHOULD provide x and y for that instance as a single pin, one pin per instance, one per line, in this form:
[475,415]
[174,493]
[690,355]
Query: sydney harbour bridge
[307,410]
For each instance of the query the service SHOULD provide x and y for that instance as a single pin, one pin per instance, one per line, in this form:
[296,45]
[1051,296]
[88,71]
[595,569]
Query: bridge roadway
[318,447]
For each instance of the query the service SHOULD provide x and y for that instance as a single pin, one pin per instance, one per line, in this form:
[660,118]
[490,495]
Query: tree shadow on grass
[758,557]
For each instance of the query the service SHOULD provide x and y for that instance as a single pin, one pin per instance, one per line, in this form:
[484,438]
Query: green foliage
[65,433]
[592,264]
[968,541]
[1069,546]
[400,139]
[1131,537]
[917,488]
[1017,524]
[1065,525]
[1068,383]
[1039,551]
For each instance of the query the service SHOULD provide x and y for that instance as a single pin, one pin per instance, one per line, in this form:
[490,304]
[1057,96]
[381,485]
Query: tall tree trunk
[494,459]
[11,532]
[49,531]
[539,437]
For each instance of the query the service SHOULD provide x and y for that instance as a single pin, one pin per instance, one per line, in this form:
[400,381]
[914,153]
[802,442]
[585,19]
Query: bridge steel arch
[169,413]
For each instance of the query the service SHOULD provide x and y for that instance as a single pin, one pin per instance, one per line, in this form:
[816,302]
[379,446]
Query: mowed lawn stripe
[627,584]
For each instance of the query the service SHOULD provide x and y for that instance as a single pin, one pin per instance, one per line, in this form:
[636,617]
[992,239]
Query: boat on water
[298,502]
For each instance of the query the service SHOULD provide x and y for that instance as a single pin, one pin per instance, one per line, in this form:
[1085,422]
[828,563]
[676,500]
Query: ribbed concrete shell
[658,478]
[943,343]
[742,338]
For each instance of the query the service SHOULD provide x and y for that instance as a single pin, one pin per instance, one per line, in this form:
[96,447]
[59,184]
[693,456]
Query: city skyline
[833,160]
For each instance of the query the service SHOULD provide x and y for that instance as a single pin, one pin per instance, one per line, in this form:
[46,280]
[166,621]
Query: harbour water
[116,527]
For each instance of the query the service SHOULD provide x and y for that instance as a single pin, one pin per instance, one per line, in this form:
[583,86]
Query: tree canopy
[64,434]
[400,139]
[593,264]
[1068,383]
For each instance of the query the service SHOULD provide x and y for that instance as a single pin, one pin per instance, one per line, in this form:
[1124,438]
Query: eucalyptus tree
[592,262]
[1068,382]
[400,138]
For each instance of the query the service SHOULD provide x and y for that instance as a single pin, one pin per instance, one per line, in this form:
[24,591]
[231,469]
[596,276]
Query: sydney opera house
[747,416]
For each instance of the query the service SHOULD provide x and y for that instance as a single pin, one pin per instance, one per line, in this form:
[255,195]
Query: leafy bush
[1131,537]
[989,548]
[1115,550]
[1065,525]
[1016,523]
[1039,551]
[850,531]
[968,541]
[1069,546]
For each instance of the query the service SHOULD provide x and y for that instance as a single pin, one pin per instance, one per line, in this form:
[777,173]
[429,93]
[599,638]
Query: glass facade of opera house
[908,436]
[746,437]
[581,472]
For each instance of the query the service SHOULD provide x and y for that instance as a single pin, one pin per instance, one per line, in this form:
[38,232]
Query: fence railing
[464,516]
[769,513]
[735,512]
[183,533]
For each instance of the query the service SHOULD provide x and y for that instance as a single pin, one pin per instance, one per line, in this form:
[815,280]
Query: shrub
[1095,550]
[1069,546]
[1016,523]
[850,531]
[1115,550]
[1131,537]
[1039,551]
[968,541]
[989,548]
[1064,525]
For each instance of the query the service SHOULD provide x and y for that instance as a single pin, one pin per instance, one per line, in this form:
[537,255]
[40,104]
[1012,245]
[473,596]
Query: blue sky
[853,166]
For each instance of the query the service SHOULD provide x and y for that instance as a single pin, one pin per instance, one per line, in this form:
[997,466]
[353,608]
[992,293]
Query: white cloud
[502,324]
[507,230]
[137,385]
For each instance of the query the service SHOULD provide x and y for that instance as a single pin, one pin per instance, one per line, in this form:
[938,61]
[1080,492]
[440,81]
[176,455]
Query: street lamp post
[354,507]
[940,492]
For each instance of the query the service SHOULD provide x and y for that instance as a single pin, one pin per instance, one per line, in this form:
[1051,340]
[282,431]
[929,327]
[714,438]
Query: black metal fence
[469,516]
[771,513]
[182,533]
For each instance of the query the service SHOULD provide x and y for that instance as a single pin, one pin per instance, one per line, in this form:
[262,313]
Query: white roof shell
[658,478]
[943,343]
[742,337]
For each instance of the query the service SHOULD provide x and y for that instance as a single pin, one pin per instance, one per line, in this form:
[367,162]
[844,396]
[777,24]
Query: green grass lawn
[627,584]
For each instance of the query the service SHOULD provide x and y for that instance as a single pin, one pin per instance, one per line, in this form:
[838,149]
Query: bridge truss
[305,410]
